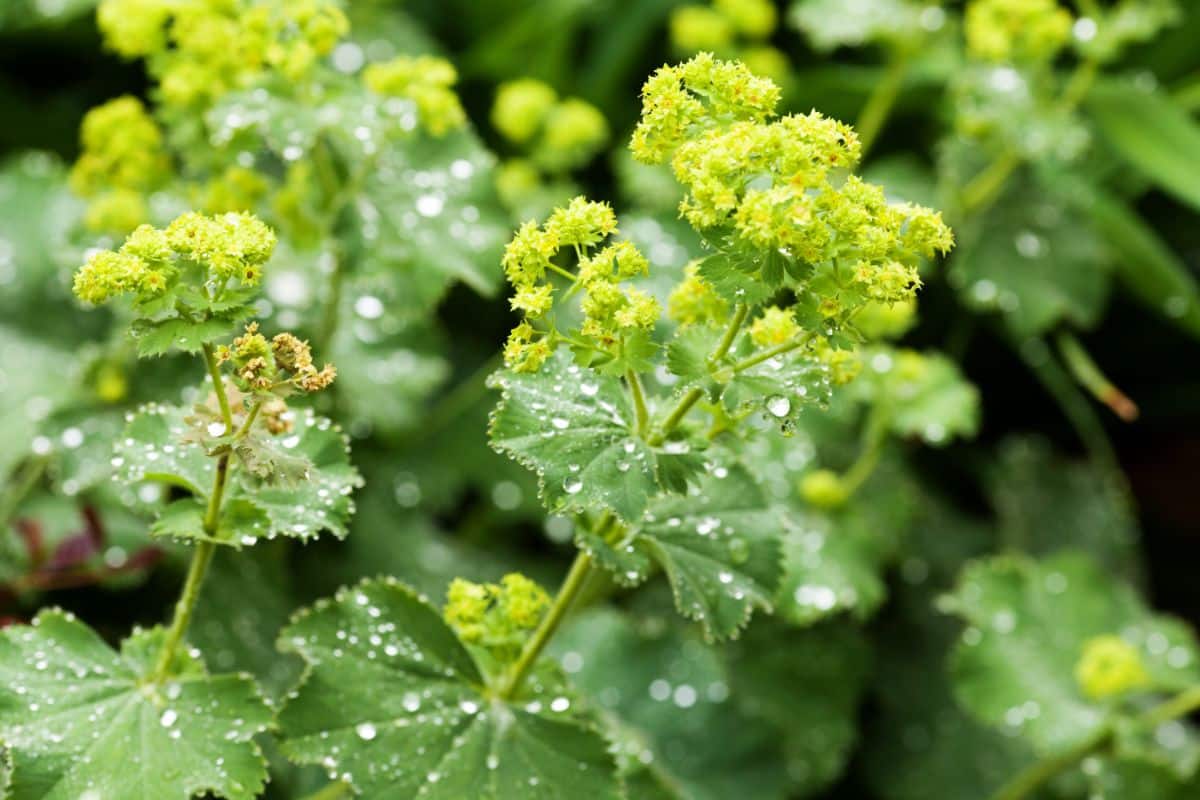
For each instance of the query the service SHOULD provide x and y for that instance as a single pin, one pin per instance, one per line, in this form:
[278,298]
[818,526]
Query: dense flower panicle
[681,101]
[1109,666]
[693,301]
[227,247]
[428,82]
[754,18]
[497,617]
[200,50]
[1017,30]
[521,107]
[611,312]
[122,159]
[695,28]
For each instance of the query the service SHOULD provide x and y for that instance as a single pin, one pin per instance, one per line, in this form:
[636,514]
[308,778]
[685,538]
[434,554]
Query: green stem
[639,402]
[1089,376]
[693,395]
[739,316]
[333,303]
[555,268]
[576,577]
[1181,705]
[205,550]
[882,99]
[777,350]
[874,435]
[21,486]
[985,187]
[1030,779]
[214,371]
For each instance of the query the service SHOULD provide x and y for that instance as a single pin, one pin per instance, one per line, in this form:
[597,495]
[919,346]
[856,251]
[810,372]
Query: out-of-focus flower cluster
[428,81]
[200,49]
[496,617]
[738,29]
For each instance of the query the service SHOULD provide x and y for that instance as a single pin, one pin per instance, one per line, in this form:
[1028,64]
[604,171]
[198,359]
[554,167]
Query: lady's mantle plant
[82,720]
[403,701]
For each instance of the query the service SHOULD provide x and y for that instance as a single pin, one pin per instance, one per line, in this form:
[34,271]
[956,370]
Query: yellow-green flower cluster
[611,311]
[776,326]
[693,301]
[1109,666]
[231,246]
[123,159]
[843,365]
[496,617]
[226,248]
[782,184]
[1022,31]
[680,102]
[200,49]
[428,81]
[283,363]
[560,134]
[876,320]
[735,28]
[235,189]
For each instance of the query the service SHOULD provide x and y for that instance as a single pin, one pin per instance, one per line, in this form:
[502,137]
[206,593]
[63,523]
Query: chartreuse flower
[122,160]
[496,617]
[735,28]
[1108,667]
[428,81]
[1017,30]
[202,49]
[694,301]
[614,316]
[261,366]
[554,136]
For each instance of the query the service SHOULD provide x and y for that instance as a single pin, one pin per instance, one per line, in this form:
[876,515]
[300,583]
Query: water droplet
[778,405]
[572,485]
[366,731]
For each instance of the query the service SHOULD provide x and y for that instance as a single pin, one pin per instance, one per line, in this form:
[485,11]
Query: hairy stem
[1089,376]
[768,354]
[639,402]
[576,577]
[693,395]
[17,491]
[205,550]
[1033,777]
[1029,780]
[882,100]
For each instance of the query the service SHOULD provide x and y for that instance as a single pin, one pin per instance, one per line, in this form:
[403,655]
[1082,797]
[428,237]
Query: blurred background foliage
[1085,255]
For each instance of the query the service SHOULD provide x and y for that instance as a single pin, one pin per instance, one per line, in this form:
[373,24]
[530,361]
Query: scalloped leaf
[393,703]
[1028,621]
[573,427]
[323,501]
[83,721]
[159,337]
[720,547]
[241,523]
[153,449]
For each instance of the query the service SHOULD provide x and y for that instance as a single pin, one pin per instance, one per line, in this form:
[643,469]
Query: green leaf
[667,695]
[152,449]
[808,684]
[1137,779]
[782,387]
[1152,133]
[1034,261]
[1044,503]
[83,721]
[1028,622]
[1145,264]
[719,547]
[241,523]
[394,703]
[831,568]
[727,275]
[573,427]
[156,338]
[919,394]
[36,379]
[320,502]
[687,357]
